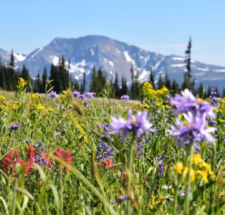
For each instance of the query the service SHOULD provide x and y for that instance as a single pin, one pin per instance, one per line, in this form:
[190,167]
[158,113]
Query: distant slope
[115,56]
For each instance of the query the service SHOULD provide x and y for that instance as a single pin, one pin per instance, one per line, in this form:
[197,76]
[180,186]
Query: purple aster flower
[53,95]
[159,158]
[14,127]
[212,122]
[81,97]
[182,193]
[161,168]
[140,149]
[90,95]
[188,103]
[195,129]
[138,124]
[76,94]
[148,103]
[85,104]
[125,97]
[56,104]
[121,198]
[104,151]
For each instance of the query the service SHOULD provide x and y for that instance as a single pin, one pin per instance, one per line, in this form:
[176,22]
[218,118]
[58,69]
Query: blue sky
[162,26]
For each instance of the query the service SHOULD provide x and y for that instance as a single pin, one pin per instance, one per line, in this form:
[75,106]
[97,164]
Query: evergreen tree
[160,82]
[186,83]
[137,89]
[116,86]
[167,81]
[44,80]
[200,90]
[132,81]
[223,92]
[209,92]
[25,75]
[175,87]
[84,83]
[152,78]
[93,86]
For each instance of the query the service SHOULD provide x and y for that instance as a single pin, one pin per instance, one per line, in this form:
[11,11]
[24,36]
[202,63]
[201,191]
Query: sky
[155,25]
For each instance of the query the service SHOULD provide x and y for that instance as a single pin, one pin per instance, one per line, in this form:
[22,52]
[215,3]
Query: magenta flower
[138,124]
[188,103]
[195,129]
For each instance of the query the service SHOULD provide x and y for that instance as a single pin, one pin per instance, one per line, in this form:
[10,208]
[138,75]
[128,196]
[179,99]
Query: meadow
[74,154]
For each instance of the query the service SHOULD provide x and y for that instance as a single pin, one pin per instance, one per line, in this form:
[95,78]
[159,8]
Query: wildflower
[90,95]
[121,198]
[196,129]
[64,155]
[140,149]
[182,193]
[53,95]
[178,168]
[40,107]
[124,174]
[14,127]
[76,94]
[138,124]
[211,123]
[188,103]
[104,151]
[125,97]
[203,175]
[151,207]
[161,168]
[56,104]
[213,96]
[81,97]
[85,104]
[107,163]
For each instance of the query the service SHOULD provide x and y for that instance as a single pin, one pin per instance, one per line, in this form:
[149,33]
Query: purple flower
[90,95]
[56,104]
[211,123]
[76,94]
[125,97]
[52,95]
[121,198]
[14,127]
[182,193]
[188,103]
[104,151]
[140,149]
[138,124]
[85,104]
[81,97]
[195,129]
[213,96]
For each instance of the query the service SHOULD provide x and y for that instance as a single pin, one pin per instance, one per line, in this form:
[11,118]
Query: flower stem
[187,202]
[129,175]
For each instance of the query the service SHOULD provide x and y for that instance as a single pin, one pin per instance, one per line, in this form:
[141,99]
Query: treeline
[62,80]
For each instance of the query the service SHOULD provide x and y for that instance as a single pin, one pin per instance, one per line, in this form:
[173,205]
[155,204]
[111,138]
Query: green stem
[130,174]
[187,202]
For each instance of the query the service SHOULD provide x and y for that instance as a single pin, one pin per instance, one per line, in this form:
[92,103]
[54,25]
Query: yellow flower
[40,107]
[212,175]
[184,122]
[82,137]
[50,109]
[167,106]
[203,175]
[151,207]
[221,120]
[192,173]
[153,196]
[196,159]
[178,168]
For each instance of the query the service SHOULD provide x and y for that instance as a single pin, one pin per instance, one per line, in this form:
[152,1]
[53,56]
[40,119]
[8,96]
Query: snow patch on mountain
[203,69]
[178,65]
[219,70]
[37,52]
[19,57]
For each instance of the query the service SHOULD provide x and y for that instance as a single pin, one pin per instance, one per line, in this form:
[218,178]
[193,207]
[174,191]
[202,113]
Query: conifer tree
[93,87]
[200,90]
[116,86]
[44,80]
[167,81]
[209,91]
[152,78]
[132,81]
[84,83]
[160,82]
[175,87]
[223,92]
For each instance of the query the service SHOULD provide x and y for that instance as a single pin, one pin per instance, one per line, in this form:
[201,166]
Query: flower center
[190,125]
[199,100]
[133,120]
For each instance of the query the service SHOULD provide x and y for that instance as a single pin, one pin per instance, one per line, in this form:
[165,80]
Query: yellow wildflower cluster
[21,83]
[155,205]
[2,98]
[13,106]
[34,100]
[65,93]
[149,92]
[221,120]
[201,170]
[40,107]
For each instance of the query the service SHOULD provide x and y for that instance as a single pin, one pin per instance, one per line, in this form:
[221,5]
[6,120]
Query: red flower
[107,163]
[64,155]
[30,154]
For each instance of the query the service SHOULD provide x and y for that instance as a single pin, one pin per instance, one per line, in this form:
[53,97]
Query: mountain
[115,56]
[5,56]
